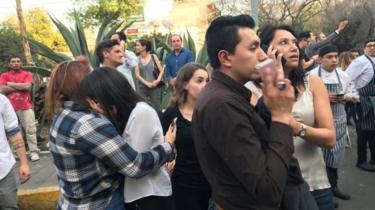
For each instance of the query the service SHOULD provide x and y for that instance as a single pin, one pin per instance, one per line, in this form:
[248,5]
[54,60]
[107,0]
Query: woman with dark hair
[149,73]
[190,187]
[313,122]
[89,155]
[140,126]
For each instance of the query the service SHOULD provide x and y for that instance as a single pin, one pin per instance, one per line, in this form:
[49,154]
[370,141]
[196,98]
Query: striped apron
[367,99]
[334,157]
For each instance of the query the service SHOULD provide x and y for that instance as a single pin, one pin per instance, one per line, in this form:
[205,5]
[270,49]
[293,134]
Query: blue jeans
[117,201]
[324,199]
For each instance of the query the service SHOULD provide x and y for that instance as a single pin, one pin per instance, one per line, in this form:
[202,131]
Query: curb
[44,198]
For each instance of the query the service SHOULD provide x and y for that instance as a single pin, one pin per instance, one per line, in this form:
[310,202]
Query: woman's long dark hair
[267,34]
[114,93]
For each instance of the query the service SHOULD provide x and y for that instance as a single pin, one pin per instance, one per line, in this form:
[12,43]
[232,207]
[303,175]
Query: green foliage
[361,24]
[10,44]
[97,11]
[76,39]
[40,27]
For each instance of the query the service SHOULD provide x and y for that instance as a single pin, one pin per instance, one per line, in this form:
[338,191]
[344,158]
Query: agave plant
[76,40]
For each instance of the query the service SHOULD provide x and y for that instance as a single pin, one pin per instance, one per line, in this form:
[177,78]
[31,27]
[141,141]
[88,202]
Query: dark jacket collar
[231,84]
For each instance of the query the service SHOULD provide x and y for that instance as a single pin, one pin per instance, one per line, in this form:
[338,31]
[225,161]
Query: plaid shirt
[88,152]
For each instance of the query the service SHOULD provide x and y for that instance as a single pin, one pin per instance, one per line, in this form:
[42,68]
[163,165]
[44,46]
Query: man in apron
[361,71]
[340,91]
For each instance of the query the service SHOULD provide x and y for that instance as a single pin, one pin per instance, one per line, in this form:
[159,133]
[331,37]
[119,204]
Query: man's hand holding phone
[275,64]
[278,100]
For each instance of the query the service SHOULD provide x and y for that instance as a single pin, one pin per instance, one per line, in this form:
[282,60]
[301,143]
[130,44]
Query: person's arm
[13,133]
[100,138]
[161,69]
[6,89]
[3,85]
[313,48]
[323,132]
[19,86]
[190,57]
[131,59]
[140,78]
[168,71]
[18,145]
[308,64]
[262,172]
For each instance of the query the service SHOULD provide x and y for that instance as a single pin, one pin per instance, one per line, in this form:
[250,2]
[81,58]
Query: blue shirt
[173,63]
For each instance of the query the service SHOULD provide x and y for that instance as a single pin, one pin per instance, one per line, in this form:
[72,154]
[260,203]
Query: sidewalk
[41,191]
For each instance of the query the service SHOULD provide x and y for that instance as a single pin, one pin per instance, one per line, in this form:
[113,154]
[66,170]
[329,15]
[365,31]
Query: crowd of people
[245,136]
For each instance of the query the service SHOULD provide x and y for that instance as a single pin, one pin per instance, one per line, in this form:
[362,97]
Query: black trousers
[332,176]
[350,112]
[364,137]
[190,199]
[151,203]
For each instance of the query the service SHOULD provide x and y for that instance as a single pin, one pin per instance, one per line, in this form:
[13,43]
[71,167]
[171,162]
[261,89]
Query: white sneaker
[34,156]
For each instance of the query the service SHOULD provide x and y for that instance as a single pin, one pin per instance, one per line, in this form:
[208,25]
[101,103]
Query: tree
[10,44]
[361,22]
[22,26]
[297,13]
[40,27]
[97,11]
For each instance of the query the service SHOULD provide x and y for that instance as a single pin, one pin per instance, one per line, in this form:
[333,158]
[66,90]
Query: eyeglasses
[370,45]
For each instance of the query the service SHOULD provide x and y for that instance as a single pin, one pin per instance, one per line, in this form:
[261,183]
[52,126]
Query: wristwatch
[302,131]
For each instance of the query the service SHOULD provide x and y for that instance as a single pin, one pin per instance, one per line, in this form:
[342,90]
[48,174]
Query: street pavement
[358,183]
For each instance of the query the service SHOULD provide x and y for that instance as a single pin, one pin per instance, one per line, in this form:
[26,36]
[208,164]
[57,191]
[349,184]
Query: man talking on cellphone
[245,162]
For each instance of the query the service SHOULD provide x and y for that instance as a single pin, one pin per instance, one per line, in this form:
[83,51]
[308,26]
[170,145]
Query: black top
[245,163]
[187,171]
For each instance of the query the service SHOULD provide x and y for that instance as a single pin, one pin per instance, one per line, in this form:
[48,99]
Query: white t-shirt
[331,78]
[8,127]
[143,131]
[127,65]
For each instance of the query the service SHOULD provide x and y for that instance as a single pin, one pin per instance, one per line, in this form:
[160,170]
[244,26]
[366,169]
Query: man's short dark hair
[145,43]
[222,34]
[121,35]
[304,35]
[104,46]
[13,56]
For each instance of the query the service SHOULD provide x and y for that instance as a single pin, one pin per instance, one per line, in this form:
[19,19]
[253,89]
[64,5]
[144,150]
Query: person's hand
[334,98]
[172,82]
[342,25]
[170,167]
[350,99]
[296,125]
[315,57]
[149,85]
[24,173]
[279,102]
[170,136]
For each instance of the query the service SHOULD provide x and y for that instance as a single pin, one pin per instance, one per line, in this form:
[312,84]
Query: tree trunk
[26,47]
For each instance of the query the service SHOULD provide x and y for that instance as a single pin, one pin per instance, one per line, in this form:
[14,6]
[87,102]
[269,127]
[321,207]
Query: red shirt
[20,100]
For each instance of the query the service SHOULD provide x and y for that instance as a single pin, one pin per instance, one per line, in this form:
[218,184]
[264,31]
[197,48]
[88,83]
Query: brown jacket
[245,163]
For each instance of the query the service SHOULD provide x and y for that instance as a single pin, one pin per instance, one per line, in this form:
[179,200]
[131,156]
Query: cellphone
[283,60]
[174,121]
[340,94]
[268,63]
